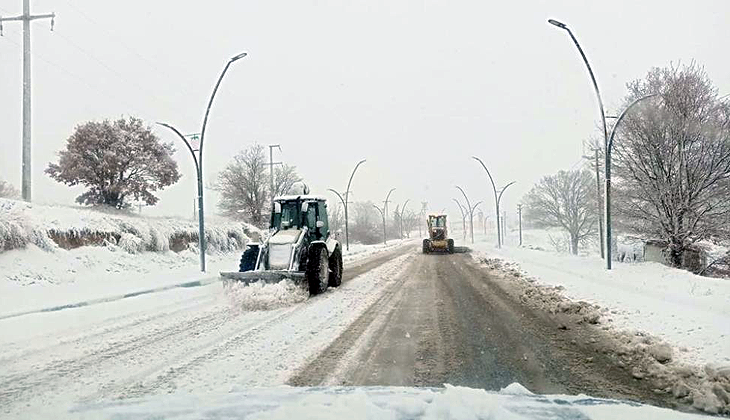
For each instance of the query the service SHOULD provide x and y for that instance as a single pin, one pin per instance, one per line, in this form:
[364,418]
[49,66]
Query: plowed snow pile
[260,296]
[663,325]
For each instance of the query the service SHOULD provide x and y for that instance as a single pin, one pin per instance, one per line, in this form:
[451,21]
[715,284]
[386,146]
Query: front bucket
[249,277]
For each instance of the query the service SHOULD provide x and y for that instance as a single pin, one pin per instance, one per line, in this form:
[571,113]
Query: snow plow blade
[249,277]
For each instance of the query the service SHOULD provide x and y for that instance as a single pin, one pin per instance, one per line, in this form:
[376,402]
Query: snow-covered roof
[309,197]
[436,214]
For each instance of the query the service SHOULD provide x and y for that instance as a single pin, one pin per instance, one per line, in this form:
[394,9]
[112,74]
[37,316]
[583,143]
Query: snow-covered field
[378,403]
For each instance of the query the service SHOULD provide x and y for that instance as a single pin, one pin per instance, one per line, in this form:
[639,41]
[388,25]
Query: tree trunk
[676,250]
[574,244]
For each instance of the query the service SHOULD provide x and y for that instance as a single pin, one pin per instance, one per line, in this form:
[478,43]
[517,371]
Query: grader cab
[438,236]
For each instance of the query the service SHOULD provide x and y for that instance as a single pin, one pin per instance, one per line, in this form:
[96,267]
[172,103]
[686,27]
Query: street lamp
[609,146]
[402,210]
[382,214]
[385,203]
[471,213]
[497,198]
[345,201]
[199,161]
[463,217]
[590,71]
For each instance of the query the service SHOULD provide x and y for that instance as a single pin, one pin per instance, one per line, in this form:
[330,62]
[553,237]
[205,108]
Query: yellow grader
[438,235]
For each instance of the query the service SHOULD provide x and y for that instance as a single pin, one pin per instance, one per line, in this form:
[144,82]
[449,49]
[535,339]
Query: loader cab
[298,212]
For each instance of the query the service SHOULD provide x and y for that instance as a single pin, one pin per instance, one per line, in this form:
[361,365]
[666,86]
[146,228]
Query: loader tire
[248,259]
[317,273]
[335,276]
[451,246]
[426,246]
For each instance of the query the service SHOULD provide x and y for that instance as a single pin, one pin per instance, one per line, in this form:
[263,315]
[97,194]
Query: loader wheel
[248,259]
[335,276]
[451,246]
[317,269]
[426,246]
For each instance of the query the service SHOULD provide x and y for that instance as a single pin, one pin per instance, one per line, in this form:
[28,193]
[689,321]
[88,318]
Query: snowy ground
[60,277]
[688,311]
[195,340]
[664,321]
[378,403]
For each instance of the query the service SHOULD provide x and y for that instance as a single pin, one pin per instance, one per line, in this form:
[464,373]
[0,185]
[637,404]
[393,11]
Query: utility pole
[519,213]
[599,197]
[271,168]
[26,18]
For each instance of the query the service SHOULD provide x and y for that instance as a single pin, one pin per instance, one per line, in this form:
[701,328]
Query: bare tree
[366,225]
[284,177]
[672,160]
[242,185]
[336,216]
[565,200]
[7,190]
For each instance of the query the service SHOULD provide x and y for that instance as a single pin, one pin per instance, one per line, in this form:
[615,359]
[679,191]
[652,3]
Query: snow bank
[377,403]
[53,227]
[669,324]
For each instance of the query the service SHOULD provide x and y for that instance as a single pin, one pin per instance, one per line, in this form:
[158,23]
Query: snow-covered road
[182,339]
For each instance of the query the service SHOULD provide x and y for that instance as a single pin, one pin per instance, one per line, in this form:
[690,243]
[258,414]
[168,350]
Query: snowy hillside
[51,227]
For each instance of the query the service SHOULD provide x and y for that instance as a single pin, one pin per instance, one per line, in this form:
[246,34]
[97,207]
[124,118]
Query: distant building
[694,258]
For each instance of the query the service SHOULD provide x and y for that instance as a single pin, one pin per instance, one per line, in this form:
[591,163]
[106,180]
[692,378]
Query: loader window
[289,213]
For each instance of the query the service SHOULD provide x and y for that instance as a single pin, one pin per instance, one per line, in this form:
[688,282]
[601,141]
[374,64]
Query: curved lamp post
[344,206]
[199,160]
[463,216]
[385,203]
[345,201]
[609,147]
[497,197]
[382,214]
[402,210]
[590,72]
[598,95]
[471,216]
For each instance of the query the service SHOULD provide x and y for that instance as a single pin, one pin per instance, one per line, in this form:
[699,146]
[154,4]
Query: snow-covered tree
[117,160]
[671,160]
[243,186]
[565,200]
[7,190]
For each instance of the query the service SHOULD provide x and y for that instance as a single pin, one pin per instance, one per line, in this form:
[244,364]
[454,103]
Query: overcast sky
[414,87]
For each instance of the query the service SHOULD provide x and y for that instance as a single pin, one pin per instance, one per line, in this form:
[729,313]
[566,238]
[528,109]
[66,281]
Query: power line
[113,71]
[118,40]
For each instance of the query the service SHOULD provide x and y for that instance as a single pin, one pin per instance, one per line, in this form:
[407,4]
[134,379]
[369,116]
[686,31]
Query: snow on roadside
[690,311]
[450,402]
[676,324]
[359,251]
